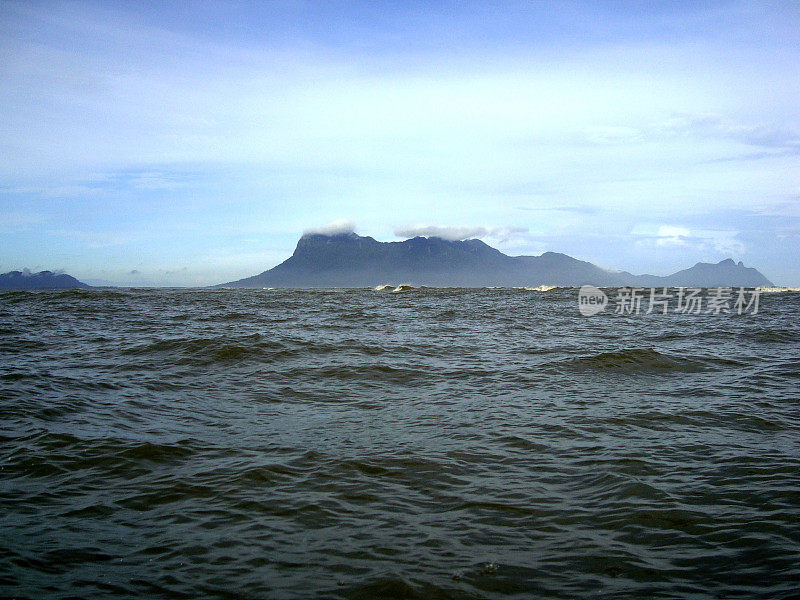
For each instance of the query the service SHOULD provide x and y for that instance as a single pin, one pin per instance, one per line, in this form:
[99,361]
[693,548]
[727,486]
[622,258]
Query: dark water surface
[430,444]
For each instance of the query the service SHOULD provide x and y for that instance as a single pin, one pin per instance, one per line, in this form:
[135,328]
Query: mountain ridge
[43,280]
[351,260]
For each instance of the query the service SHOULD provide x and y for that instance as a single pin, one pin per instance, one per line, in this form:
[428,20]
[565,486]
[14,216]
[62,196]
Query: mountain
[45,280]
[723,273]
[350,260]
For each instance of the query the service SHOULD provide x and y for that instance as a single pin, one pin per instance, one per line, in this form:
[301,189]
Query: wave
[541,288]
[635,359]
[384,287]
[777,289]
[773,335]
[209,350]
[403,288]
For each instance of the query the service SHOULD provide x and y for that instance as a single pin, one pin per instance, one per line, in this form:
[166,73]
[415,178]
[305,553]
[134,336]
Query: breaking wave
[403,288]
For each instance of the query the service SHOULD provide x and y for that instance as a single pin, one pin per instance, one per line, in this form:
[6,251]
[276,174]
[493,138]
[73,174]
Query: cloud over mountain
[333,228]
[455,233]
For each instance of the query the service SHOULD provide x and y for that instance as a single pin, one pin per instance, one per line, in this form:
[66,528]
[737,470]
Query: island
[351,260]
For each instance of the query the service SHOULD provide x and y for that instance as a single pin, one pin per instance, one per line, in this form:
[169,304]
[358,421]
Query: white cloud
[669,235]
[446,233]
[452,233]
[334,228]
[702,242]
[722,243]
[772,135]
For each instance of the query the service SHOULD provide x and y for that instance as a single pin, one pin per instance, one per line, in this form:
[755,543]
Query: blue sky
[193,143]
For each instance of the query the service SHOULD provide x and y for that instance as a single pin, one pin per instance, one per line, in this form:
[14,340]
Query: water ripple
[447,443]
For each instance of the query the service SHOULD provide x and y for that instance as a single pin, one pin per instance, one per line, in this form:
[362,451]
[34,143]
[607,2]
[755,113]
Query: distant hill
[350,260]
[44,280]
[725,272]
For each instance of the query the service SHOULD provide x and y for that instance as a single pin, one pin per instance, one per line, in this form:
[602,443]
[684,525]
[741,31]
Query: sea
[419,444]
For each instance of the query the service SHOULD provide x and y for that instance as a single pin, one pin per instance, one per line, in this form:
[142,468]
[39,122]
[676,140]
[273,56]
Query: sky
[193,143]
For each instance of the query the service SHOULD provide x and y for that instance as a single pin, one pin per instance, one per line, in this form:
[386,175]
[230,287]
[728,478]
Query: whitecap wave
[538,288]
[777,289]
[542,288]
